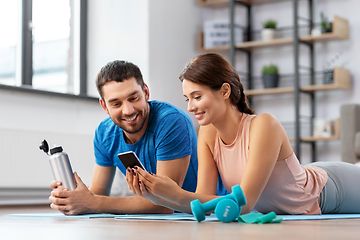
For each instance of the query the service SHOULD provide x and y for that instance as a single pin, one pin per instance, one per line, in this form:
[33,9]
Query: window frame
[26,69]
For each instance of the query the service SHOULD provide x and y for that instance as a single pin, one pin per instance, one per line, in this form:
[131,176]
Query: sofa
[350,132]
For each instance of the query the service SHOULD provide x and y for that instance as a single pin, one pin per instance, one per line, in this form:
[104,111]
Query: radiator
[25,172]
[24,196]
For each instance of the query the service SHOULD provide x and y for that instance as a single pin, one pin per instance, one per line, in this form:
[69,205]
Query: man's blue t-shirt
[170,134]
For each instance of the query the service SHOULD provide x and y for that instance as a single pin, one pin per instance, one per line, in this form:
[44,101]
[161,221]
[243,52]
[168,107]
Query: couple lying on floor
[234,147]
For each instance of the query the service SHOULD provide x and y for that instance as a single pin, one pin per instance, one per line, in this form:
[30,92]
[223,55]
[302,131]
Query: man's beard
[141,122]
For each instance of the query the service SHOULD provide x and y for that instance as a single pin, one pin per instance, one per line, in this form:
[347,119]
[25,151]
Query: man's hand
[78,201]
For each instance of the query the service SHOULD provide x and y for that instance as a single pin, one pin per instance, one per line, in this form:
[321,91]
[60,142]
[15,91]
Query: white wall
[173,33]
[118,30]
[31,114]
[159,36]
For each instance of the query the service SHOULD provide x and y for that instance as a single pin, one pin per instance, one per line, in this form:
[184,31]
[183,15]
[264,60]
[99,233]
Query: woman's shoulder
[207,131]
[266,130]
[265,119]
[207,135]
[265,123]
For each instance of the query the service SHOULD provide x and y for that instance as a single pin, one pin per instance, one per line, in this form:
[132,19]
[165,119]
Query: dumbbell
[227,207]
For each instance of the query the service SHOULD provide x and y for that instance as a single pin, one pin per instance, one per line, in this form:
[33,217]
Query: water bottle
[60,165]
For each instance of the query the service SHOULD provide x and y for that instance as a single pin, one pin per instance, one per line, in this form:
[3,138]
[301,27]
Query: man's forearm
[126,205]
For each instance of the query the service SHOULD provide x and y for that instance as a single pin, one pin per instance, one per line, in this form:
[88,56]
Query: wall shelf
[279,42]
[340,32]
[342,80]
[268,91]
[247,2]
[335,136]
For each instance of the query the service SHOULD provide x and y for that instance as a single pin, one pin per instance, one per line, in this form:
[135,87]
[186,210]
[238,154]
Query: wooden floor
[108,229]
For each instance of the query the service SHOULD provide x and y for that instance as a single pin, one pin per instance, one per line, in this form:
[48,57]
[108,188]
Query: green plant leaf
[269,69]
[270,24]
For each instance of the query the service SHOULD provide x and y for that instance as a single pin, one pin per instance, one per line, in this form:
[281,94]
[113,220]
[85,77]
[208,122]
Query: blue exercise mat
[175,216]
[172,217]
[212,217]
[180,216]
[60,215]
[318,217]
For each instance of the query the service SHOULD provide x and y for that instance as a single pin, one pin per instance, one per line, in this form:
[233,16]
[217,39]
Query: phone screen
[129,159]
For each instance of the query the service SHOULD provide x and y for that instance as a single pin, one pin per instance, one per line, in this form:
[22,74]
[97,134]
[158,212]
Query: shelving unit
[340,31]
[335,136]
[341,81]
[247,2]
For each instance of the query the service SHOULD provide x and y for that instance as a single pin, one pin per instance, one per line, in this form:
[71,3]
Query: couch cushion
[357,144]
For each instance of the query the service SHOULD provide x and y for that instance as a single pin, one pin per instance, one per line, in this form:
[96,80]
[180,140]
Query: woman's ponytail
[212,70]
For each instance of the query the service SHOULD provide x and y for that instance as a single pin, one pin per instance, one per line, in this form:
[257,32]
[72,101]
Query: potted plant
[270,76]
[326,26]
[268,31]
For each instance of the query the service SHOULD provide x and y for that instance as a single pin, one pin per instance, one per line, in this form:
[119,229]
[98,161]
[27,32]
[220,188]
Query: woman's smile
[199,115]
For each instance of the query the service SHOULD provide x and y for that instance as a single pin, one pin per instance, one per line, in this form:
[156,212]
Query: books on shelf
[217,33]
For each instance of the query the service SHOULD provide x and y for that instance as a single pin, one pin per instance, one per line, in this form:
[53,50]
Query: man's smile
[131,119]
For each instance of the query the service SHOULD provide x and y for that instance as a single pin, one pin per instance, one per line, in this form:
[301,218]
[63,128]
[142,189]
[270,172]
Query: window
[45,45]
[9,25]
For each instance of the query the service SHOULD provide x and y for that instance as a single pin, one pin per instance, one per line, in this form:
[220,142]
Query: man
[160,134]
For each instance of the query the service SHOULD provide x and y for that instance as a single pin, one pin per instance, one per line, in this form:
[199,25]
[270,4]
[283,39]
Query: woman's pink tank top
[291,189]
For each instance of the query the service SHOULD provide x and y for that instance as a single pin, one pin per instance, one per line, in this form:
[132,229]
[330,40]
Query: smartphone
[129,159]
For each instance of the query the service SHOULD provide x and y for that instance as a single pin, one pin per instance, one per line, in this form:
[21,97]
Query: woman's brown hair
[212,70]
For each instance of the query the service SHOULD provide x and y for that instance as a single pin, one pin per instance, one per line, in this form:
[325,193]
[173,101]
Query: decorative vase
[270,80]
[267,34]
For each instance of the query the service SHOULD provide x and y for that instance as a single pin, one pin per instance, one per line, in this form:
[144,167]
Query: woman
[250,150]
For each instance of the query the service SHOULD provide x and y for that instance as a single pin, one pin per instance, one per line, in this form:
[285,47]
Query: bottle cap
[44,146]
[56,150]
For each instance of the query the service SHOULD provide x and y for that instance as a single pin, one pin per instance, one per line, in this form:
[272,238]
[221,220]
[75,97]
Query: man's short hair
[118,71]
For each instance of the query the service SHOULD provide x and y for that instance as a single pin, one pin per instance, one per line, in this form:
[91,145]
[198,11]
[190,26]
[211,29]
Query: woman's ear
[226,90]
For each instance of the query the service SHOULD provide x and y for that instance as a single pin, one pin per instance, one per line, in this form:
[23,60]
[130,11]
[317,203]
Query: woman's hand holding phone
[156,188]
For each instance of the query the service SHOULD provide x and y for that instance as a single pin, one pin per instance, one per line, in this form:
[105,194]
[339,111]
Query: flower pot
[267,34]
[327,28]
[270,80]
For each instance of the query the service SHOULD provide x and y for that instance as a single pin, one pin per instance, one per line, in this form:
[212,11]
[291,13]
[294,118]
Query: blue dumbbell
[224,210]
[227,210]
